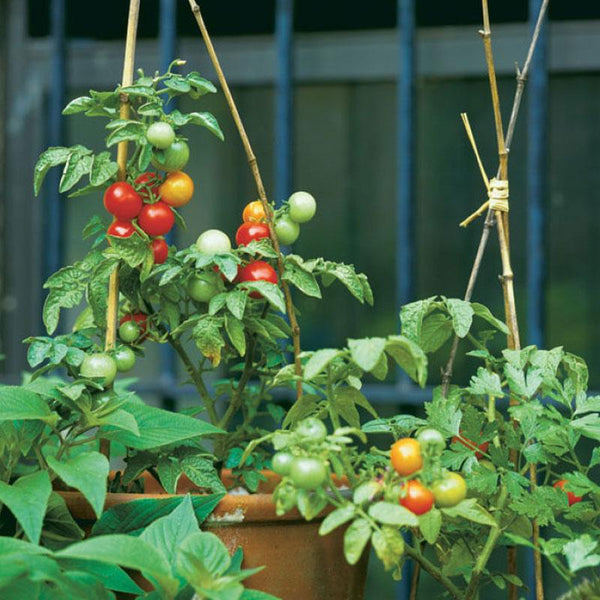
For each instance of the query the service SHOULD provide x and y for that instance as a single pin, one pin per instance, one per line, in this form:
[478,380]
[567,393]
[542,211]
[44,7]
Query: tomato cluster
[407,456]
[149,200]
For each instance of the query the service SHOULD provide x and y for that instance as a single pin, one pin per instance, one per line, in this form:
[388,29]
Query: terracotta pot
[299,563]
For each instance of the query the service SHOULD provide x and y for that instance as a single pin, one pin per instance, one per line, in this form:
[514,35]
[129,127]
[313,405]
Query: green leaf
[471,511]
[301,408]
[126,551]
[177,83]
[412,316]
[348,277]
[366,353]
[356,397]
[134,516]
[581,553]
[430,525]
[305,281]
[111,576]
[435,332]
[401,424]
[103,169]
[355,540]
[202,473]
[519,383]
[589,426]
[208,337]
[59,529]
[344,405]
[235,331]
[78,164]
[486,383]
[207,120]
[337,518]
[310,504]
[319,361]
[157,427]
[483,312]
[78,105]
[388,544]
[269,291]
[17,403]
[132,250]
[138,90]
[200,84]
[88,473]
[52,157]
[132,131]
[462,315]
[409,357]
[393,514]
[121,419]
[27,499]
[236,303]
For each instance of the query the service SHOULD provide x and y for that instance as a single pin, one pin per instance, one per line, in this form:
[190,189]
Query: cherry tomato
[432,439]
[122,201]
[160,250]
[213,241]
[307,473]
[450,490]
[147,185]
[177,189]
[202,288]
[124,358]
[122,229]
[129,331]
[160,135]
[406,457]
[173,158]
[156,219]
[312,429]
[302,207]
[140,319]
[572,498]
[286,230]
[257,270]
[416,497]
[471,444]
[254,212]
[251,231]
[281,463]
[99,365]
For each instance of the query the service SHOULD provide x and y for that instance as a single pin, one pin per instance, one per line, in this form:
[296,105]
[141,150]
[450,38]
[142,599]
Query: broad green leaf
[200,84]
[236,303]
[356,397]
[367,352]
[177,84]
[412,315]
[88,473]
[301,409]
[169,471]
[430,524]
[483,312]
[355,540]
[319,361]
[409,357]
[393,514]
[236,333]
[310,504]
[132,131]
[471,511]
[521,384]
[345,405]
[17,403]
[27,499]
[462,315]
[121,419]
[157,427]
[436,329]
[103,169]
[78,105]
[60,529]
[132,250]
[52,157]
[337,518]
[388,544]
[303,280]
[78,164]
[348,277]
[269,291]
[400,424]
[206,119]
[202,472]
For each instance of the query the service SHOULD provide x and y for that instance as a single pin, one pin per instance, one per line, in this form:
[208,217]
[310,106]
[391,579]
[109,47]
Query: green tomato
[307,473]
[124,358]
[129,331]
[99,365]
[160,135]
[213,241]
[286,230]
[202,288]
[432,439]
[173,158]
[302,207]
[281,463]
[450,490]
[312,429]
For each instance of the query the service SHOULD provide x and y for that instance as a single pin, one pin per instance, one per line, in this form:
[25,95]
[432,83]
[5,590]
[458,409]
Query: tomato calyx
[147,185]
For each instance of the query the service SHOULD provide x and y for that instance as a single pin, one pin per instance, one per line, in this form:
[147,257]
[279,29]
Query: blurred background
[357,103]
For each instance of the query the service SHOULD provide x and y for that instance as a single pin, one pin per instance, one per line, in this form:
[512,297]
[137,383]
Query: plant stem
[253,163]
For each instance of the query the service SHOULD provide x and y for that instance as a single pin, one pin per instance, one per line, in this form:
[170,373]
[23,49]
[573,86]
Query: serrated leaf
[133,250]
[202,472]
[208,338]
[462,315]
[52,157]
[78,164]
[236,303]
[581,553]
[486,383]
[103,169]
[17,403]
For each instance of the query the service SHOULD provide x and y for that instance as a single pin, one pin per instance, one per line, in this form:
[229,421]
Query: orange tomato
[177,189]
[406,456]
[254,212]
[416,497]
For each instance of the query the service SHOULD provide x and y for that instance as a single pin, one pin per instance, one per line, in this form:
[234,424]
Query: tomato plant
[177,189]
[147,185]
[160,134]
[302,207]
[248,232]
[156,219]
[450,490]
[481,449]
[254,212]
[307,473]
[173,158]
[99,366]
[416,497]
[257,270]
[160,250]
[405,455]
[122,201]
[571,497]
[286,230]
[213,241]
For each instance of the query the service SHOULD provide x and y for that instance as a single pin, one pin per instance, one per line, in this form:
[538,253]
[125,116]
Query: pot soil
[299,563]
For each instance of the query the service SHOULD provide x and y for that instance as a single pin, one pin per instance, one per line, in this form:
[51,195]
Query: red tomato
[416,497]
[122,229]
[122,201]
[572,498]
[147,185]
[257,270]
[405,456]
[251,231]
[160,250]
[156,219]
[471,444]
[140,318]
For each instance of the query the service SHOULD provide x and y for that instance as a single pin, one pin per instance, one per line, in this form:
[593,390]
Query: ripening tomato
[405,455]
[432,440]
[571,497]
[139,318]
[99,365]
[307,473]
[160,250]
[122,201]
[129,331]
[156,219]
[173,158]
[160,135]
[281,463]
[122,229]
[203,287]
[248,232]
[416,497]
[147,185]
[254,212]
[483,447]
[213,241]
[302,207]
[258,270]
[177,189]
[286,230]
[124,358]
[450,490]
[312,429]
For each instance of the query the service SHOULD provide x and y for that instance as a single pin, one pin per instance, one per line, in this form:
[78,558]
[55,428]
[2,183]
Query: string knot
[498,194]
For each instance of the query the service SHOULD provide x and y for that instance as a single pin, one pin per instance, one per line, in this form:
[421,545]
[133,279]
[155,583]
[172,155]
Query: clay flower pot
[299,563]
